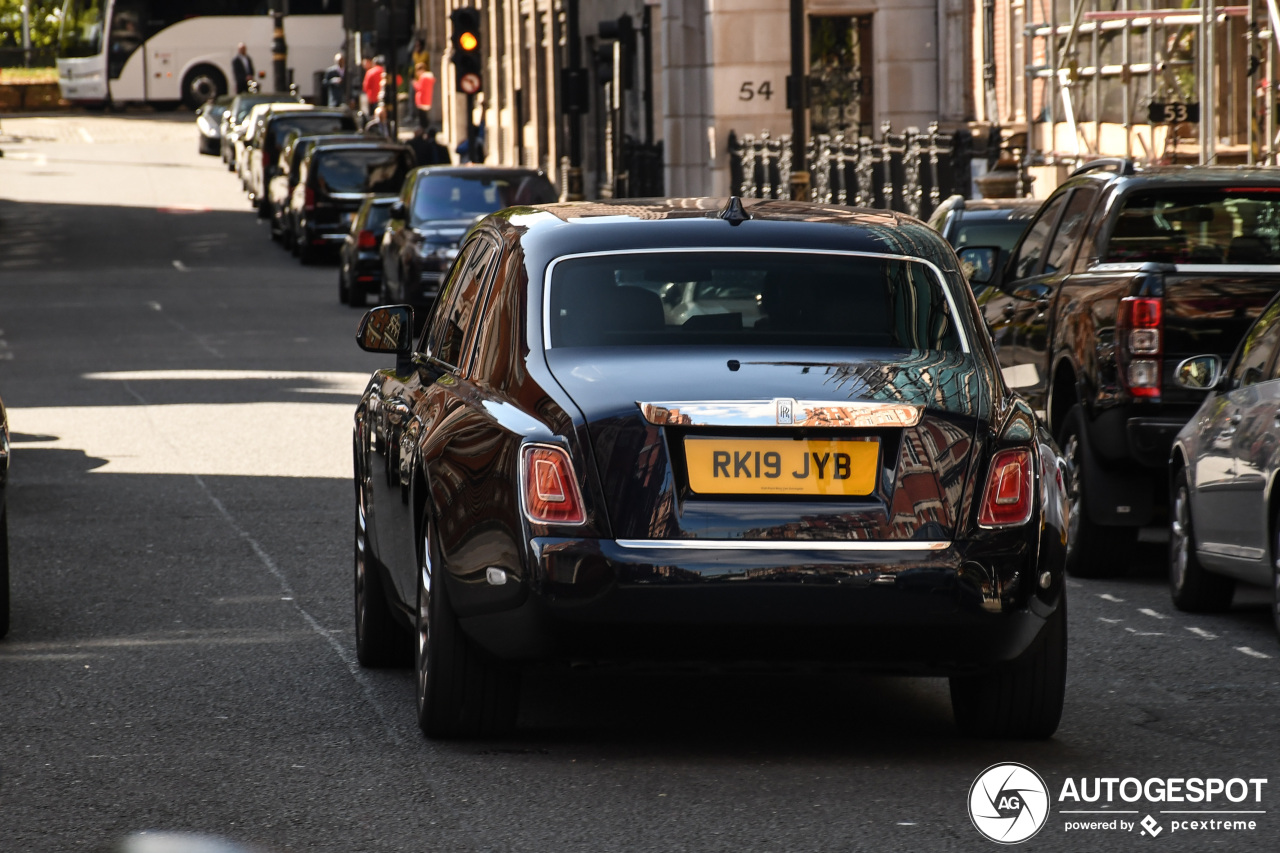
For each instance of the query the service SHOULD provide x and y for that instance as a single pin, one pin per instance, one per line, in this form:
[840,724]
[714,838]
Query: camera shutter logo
[1008,803]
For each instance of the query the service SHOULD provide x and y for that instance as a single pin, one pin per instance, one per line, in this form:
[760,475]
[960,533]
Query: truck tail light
[309,199]
[1140,339]
[1008,498]
[550,491]
[366,240]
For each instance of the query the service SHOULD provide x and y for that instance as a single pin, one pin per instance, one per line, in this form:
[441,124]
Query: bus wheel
[202,83]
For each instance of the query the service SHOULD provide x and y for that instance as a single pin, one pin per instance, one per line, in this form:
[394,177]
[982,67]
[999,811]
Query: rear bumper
[933,611]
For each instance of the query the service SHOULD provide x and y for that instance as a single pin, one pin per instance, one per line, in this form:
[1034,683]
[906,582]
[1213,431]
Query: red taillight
[366,240]
[1007,500]
[1140,338]
[551,493]
[309,199]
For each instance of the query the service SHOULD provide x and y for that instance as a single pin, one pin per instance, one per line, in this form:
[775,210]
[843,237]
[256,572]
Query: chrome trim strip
[942,279]
[1236,552]
[781,545]
[781,412]
[1227,268]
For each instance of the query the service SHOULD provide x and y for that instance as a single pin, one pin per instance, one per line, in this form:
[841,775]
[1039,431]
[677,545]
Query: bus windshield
[81,30]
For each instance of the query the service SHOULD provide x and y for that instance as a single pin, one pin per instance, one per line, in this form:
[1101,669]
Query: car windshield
[1181,226]
[361,170]
[466,197]
[245,103]
[751,299]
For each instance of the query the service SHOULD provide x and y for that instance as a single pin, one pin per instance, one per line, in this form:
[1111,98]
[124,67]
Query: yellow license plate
[781,466]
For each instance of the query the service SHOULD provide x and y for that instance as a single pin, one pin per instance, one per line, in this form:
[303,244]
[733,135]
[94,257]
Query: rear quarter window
[360,170]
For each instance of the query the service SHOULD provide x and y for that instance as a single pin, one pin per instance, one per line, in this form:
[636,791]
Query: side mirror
[1199,373]
[387,328]
[979,264]
[398,210]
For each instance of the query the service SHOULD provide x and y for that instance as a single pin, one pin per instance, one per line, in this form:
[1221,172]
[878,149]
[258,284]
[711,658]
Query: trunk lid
[914,415]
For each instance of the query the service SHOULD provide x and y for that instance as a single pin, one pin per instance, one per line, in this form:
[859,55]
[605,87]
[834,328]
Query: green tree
[45,17]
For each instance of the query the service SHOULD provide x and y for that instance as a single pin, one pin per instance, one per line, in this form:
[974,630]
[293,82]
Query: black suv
[1121,275]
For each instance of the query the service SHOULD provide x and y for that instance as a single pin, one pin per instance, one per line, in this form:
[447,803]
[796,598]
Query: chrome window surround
[784,545]
[768,413]
[937,273]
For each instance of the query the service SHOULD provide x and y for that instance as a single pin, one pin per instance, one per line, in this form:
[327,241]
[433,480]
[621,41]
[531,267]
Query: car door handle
[1008,310]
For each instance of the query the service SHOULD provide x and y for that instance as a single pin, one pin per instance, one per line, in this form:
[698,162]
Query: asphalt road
[181,657]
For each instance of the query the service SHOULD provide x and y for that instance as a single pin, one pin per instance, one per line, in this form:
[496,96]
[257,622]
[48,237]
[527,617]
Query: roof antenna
[734,213]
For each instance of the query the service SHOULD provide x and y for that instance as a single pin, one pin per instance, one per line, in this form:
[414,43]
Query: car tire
[264,208]
[1193,588]
[461,690]
[355,296]
[202,83]
[1275,571]
[1023,701]
[1093,550]
[380,640]
[306,252]
[4,572]
[344,292]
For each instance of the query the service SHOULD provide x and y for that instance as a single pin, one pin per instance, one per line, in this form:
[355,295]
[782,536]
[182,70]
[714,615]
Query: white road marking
[84,134]
[154,306]
[180,266]
[1253,653]
[1200,632]
[1138,633]
[1147,611]
[1106,596]
[337,381]
[1109,621]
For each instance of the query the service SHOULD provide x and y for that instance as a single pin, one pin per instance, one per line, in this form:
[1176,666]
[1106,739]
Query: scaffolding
[1095,68]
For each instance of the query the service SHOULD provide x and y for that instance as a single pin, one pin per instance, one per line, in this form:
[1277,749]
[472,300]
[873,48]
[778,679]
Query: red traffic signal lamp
[468,64]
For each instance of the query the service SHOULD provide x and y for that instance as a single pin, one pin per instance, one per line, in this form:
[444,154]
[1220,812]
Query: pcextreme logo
[1008,803]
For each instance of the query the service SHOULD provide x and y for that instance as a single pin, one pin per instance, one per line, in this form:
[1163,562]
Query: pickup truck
[1122,274]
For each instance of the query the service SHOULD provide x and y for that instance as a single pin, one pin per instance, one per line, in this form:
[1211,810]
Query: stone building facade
[714,66]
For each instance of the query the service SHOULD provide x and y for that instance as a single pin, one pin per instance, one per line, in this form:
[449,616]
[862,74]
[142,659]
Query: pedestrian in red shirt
[373,81]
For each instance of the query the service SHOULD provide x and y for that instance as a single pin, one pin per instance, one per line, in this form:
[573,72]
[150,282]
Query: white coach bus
[166,52]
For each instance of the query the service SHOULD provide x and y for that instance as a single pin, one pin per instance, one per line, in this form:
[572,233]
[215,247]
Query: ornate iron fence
[910,172]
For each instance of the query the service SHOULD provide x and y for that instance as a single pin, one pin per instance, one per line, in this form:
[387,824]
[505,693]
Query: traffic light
[623,31]
[468,62]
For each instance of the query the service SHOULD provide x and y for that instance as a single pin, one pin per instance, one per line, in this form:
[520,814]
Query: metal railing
[910,172]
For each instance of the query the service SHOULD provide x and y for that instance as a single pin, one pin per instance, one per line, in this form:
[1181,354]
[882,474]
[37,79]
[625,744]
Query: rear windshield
[377,217]
[466,197]
[361,170]
[312,124]
[1187,226]
[749,298]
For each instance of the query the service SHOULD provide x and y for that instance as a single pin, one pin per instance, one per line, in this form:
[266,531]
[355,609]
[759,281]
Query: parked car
[555,470]
[1225,517]
[285,177]
[235,121]
[359,263]
[1121,275]
[244,140]
[436,207]
[269,136]
[209,123]
[984,221]
[4,521]
[334,181]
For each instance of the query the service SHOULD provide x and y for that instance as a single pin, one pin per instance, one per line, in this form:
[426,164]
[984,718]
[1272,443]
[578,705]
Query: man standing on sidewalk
[242,69]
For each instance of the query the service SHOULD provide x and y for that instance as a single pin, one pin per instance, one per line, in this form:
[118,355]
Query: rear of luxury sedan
[835,473]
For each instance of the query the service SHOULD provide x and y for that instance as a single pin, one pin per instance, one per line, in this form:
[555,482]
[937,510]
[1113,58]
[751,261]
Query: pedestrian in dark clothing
[335,77]
[427,151]
[242,69]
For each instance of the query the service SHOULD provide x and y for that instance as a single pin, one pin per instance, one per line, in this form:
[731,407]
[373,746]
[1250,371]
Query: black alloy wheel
[1193,588]
[380,641]
[1275,571]
[1022,701]
[1093,550]
[355,296]
[461,690]
[4,572]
